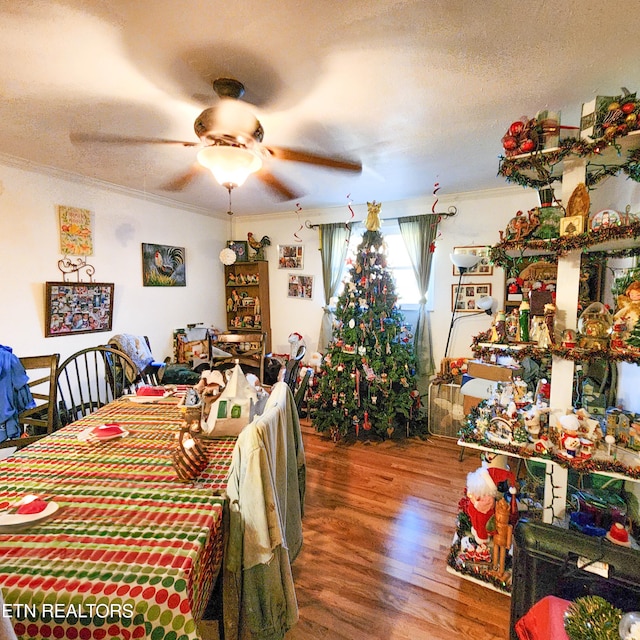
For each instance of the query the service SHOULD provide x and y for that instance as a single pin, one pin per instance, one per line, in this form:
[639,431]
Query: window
[397,260]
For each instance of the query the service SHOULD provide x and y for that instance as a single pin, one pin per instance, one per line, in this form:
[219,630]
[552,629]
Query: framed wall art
[483,268]
[78,307]
[75,231]
[290,256]
[466,296]
[571,225]
[163,266]
[300,287]
[240,248]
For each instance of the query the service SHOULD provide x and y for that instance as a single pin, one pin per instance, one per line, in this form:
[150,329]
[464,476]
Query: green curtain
[334,243]
[419,233]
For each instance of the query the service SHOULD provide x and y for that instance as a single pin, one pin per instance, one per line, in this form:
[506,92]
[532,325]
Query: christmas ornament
[228,256]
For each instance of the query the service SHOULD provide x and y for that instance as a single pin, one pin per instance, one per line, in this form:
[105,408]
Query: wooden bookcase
[247,299]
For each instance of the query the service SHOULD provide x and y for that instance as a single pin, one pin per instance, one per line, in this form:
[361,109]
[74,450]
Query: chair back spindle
[90,379]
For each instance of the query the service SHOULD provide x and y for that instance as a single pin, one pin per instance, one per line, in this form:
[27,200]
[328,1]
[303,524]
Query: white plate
[14,519]
[88,435]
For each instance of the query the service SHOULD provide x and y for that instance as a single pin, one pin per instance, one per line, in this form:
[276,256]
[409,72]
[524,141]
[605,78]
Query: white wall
[30,250]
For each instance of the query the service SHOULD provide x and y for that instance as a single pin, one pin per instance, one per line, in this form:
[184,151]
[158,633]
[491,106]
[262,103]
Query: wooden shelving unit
[247,299]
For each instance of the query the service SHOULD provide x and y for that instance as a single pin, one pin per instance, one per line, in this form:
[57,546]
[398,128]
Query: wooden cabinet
[247,299]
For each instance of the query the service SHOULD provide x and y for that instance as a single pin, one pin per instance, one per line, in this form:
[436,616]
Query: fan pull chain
[230,213]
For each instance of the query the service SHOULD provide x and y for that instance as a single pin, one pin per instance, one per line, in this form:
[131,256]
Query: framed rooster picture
[163,266]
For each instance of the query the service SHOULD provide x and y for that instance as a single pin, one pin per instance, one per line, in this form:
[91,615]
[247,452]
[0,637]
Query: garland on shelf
[632,167]
[543,163]
[535,352]
[468,433]
[556,247]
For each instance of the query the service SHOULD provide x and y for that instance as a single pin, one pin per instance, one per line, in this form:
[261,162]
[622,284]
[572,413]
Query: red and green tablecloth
[132,553]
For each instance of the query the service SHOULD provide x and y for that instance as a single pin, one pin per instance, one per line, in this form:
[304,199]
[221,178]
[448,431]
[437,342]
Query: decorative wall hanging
[469,295]
[78,307]
[163,266]
[300,287]
[240,248]
[290,256]
[571,226]
[483,267]
[75,231]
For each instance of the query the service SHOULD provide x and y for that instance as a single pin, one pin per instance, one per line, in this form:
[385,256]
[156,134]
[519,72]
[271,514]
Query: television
[549,560]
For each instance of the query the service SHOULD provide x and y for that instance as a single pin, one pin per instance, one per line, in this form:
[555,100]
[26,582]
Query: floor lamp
[464,262]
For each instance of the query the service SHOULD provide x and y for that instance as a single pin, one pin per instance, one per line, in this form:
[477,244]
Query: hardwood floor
[378,524]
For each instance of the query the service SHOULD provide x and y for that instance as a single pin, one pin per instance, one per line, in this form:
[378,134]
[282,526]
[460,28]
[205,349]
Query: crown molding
[70,176]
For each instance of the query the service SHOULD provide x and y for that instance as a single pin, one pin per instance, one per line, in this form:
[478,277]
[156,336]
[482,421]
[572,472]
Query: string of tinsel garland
[469,434]
[592,618]
[561,246]
[632,167]
[536,353]
[543,163]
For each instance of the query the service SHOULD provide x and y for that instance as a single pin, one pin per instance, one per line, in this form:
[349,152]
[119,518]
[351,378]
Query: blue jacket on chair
[15,395]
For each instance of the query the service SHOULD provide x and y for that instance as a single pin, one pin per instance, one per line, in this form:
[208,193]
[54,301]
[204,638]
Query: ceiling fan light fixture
[230,166]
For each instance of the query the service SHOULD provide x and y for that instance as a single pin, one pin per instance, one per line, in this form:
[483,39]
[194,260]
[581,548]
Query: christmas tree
[367,383]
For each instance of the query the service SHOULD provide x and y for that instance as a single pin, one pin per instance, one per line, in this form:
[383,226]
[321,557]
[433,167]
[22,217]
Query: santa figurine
[484,485]
[570,440]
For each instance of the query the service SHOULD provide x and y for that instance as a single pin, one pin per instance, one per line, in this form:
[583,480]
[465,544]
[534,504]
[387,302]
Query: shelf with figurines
[599,334]
[243,279]
[608,142]
[511,421]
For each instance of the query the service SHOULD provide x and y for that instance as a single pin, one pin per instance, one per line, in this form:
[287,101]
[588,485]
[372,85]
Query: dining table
[124,549]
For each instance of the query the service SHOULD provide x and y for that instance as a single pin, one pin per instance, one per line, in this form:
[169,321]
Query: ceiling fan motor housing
[230,122]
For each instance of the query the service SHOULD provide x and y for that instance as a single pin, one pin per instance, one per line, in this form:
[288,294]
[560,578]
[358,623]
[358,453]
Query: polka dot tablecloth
[131,553]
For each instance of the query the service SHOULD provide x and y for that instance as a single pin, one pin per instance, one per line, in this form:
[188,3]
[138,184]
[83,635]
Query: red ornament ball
[516,128]
[628,107]
[509,143]
[527,145]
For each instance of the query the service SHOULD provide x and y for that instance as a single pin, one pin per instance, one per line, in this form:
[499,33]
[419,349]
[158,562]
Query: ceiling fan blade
[116,139]
[282,153]
[276,185]
[183,180]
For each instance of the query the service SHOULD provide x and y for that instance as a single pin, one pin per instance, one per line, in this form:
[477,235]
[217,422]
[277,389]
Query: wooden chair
[247,348]
[91,378]
[41,420]
[151,374]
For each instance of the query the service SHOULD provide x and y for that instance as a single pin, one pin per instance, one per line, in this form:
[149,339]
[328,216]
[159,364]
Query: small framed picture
[300,287]
[571,225]
[240,248]
[290,256]
[484,267]
[465,297]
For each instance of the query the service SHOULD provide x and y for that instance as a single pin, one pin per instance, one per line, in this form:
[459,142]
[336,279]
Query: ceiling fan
[231,146]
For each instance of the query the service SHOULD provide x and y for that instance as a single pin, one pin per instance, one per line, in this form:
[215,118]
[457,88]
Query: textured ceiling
[418,91]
